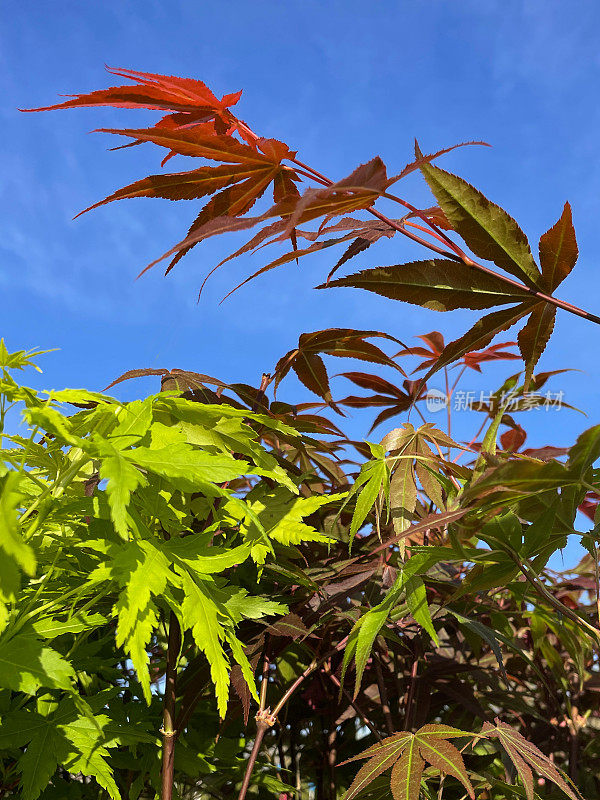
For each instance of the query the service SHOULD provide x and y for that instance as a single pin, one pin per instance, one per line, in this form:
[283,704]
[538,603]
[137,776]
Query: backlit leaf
[514,742]
[185,466]
[122,479]
[15,554]
[444,756]
[406,774]
[201,616]
[416,598]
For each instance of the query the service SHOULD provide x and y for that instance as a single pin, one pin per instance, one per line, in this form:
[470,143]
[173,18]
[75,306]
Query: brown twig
[264,721]
[168,731]
[266,718]
[383,696]
[411,694]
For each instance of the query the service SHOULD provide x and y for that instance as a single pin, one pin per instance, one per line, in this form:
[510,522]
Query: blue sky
[339,81]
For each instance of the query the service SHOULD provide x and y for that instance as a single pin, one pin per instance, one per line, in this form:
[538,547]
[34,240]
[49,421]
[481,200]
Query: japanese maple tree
[210,593]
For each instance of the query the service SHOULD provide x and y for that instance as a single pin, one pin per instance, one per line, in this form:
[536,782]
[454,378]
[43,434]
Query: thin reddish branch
[460,255]
[383,696]
[262,726]
[266,718]
[334,679]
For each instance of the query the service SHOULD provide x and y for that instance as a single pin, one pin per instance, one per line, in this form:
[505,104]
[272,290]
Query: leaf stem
[265,678]
[411,694]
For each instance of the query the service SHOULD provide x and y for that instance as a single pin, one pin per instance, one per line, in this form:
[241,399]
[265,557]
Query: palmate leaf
[134,422]
[381,758]
[195,142]
[142,570]
[231,202]
[45,751]
[585,452]
[438,284]
[359,245]
[352,228]
[78,743]
[358,190]
[368,626]
[363,235]
[388,395]
[200,126]
[434,346]
[308,365]
[157,92]
[312,372]
[195,553]
[187,467]
[526,756]
[365,631]
[403,494]
[406,774]
[416,599]
[189,185]
[412,459]
[486,228]
[373,480]
[205,619]
[281,515]
[407,753]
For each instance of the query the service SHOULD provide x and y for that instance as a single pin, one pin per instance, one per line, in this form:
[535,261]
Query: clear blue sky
[341,81]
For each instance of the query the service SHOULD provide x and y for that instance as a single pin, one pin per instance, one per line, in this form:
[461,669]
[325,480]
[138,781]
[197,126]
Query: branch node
[266,718]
